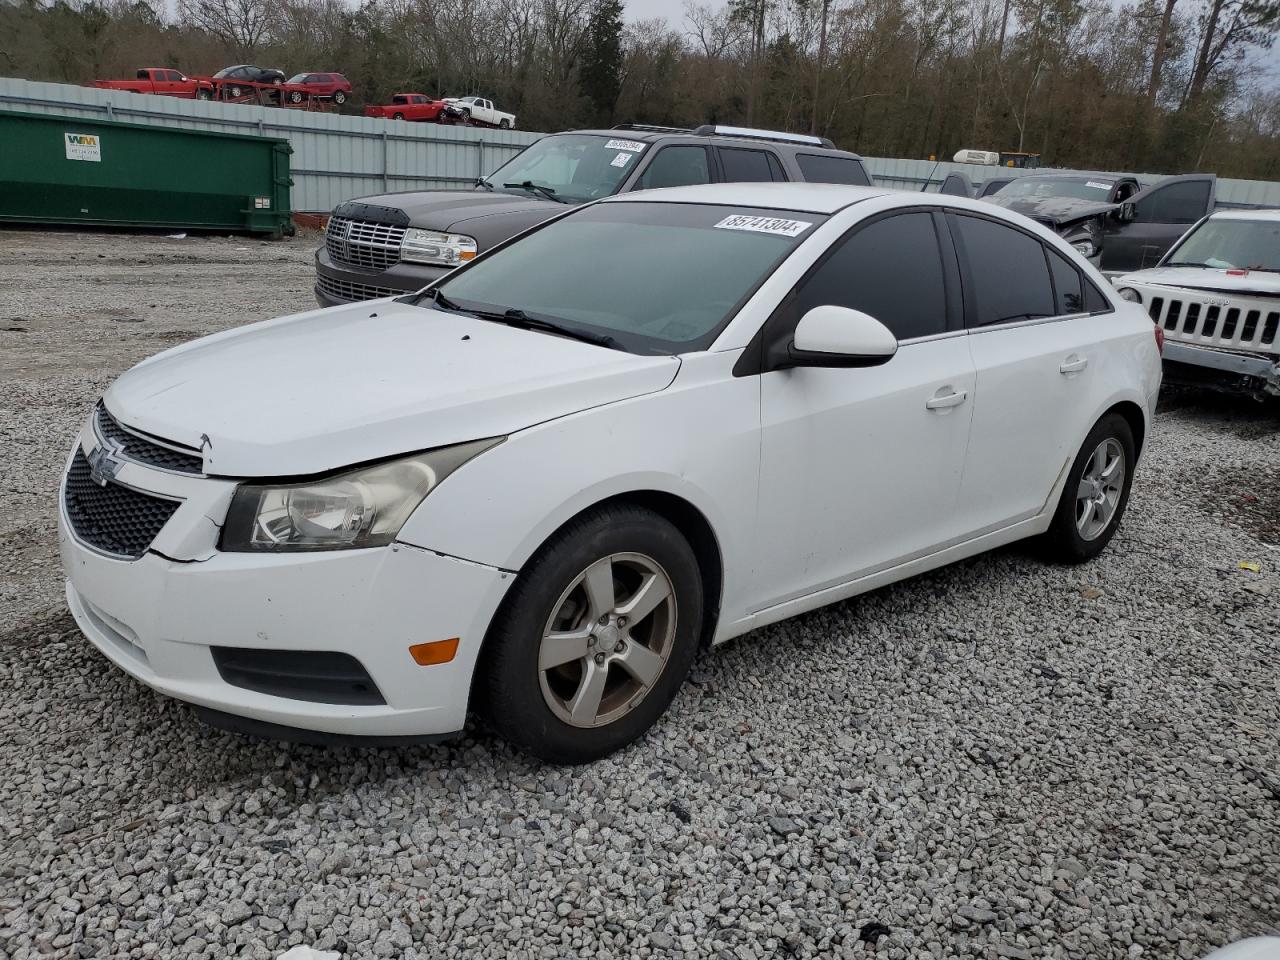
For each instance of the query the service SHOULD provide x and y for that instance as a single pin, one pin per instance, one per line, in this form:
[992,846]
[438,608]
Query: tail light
[1159,338]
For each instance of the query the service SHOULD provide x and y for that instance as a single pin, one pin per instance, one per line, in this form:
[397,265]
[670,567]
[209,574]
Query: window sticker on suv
[633,145]
[622,159]
[785,228]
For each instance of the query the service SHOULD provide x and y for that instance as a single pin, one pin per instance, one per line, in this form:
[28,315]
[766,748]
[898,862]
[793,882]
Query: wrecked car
[1216,296]
[1074,207]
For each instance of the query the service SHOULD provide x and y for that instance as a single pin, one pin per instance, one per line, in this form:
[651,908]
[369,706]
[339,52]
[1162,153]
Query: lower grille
[346,290]
[320,676]
[112,518]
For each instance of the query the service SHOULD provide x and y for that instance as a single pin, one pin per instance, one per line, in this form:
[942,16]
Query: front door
[860,467]
[1161,214]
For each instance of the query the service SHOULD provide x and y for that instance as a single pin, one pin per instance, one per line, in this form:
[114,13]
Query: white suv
[657,421]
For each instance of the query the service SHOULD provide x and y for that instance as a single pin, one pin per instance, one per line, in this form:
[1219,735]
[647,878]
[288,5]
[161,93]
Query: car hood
[1061,211]
[321,390]
[446,209]
[1253,283]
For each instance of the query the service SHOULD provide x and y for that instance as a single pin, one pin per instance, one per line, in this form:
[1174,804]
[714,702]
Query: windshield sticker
[781,228]
[1097,183]
[633,145]
[621,160]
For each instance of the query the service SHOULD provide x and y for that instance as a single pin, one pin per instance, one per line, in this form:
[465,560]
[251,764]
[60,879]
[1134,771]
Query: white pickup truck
[480,110]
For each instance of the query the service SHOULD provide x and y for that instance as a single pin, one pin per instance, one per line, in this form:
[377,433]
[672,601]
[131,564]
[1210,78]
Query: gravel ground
[1001,759]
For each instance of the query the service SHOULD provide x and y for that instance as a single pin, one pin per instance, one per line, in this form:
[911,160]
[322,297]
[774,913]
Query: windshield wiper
[482,182]
[538,187]
[521,320]
[436,296]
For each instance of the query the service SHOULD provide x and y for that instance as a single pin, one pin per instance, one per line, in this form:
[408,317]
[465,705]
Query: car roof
[806,197]
[1075,177]
[1269,215]
[654,134]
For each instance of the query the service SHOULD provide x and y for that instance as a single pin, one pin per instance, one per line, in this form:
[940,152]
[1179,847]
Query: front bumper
[158,620]
[1248,373]
[338,283]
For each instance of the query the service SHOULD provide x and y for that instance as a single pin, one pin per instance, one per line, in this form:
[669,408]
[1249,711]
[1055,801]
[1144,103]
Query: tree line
[1146,85]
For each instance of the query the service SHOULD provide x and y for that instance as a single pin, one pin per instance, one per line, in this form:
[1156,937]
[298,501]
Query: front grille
[346,290]
[363,243]
[320,676]
[134,446]
[112,518]
[1188,318]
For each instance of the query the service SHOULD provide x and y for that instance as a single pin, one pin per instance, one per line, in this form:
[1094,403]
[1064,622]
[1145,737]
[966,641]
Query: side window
[1008,271]
[1184,202]
[1066,284]
[173,76]
[676,167]
[745,166]
[891,269]
[819,169]
[775,167]
[1094,301]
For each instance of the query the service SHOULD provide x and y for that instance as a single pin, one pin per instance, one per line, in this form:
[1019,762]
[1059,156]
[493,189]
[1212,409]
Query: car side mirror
[1125,212]
[831,336]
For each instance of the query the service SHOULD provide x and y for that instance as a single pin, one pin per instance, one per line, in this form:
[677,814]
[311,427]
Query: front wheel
[203,94]
[1096,493]
[235,91]
[466,116]
[595,637]
[295,96]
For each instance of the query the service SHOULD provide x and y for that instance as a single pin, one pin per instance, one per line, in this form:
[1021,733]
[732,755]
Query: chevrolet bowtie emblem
[104,464]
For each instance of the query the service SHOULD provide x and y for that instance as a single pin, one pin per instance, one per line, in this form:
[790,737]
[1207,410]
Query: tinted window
[820,169]
[1184,202]
[745,166]
[173,76]
[676,167]
[1066,284]
[891,269]
[1094,301]
[775,167]
[1008,272]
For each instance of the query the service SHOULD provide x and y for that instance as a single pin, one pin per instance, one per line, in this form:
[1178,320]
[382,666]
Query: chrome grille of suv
[362,243]
[1197,320]
[134,446]
[345,290]
[112,518]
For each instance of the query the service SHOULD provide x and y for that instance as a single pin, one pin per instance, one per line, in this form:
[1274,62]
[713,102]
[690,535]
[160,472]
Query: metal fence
[335,157]
[338,157]
[928,175]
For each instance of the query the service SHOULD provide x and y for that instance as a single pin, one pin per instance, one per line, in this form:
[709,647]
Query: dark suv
[399,242]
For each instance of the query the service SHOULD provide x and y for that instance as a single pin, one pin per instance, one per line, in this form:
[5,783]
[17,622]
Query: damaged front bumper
[1252,374]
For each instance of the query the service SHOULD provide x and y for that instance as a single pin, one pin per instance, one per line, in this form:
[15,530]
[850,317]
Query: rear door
[1038,336]
[1161,214]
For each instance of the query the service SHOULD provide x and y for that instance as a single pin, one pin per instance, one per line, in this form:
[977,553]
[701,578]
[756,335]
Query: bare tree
[244,25]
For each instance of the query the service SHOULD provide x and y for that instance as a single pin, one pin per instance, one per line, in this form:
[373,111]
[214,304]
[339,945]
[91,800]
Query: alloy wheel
[1100,489]
[608,639]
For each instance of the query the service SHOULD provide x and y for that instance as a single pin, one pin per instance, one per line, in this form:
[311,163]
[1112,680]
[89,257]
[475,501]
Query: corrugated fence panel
[928,175]
[335,157]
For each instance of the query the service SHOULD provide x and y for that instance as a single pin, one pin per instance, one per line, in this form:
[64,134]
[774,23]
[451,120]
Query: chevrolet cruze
[537,487]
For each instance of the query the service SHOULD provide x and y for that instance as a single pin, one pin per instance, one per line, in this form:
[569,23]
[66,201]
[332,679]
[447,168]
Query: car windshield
[651,277]
[1099,190]
[576,167]
[228,71]
[298,78]
[1228,243]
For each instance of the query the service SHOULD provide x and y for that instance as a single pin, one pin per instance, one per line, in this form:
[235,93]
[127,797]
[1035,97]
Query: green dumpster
[100,172]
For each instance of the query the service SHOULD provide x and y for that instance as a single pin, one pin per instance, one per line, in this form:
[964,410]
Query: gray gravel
[1001,759]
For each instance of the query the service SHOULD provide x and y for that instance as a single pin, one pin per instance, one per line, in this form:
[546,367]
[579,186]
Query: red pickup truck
[412,106]
[161,80]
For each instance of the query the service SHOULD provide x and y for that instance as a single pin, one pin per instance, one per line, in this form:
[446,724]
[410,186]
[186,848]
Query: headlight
[1084,247]
[365,507]
[430,246]
[1130,294]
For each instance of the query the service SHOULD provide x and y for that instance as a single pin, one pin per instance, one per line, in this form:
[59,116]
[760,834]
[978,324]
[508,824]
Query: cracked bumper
[1241,372]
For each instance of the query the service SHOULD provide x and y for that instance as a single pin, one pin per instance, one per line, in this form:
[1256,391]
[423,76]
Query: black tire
[505,124]
[295,96]
[397,116]
[465,115]
[1064,541]
[203,94]
[510,688]
[339,98]
[235,91]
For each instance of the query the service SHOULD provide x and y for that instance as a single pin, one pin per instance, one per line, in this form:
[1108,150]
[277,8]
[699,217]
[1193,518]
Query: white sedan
[536,488]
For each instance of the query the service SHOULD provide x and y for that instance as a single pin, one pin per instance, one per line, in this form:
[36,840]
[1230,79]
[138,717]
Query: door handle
[944,401]
[1073,364]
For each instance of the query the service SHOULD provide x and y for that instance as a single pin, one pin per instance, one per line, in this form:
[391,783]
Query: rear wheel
[1096,493]
[505,124]
[339,98]
[595,638]
[397,116]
